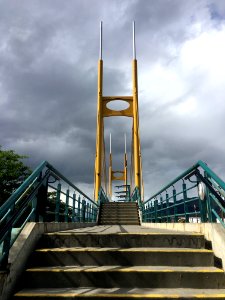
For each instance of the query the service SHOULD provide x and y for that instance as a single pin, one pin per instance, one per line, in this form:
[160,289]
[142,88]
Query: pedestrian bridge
[60,244]
[56,242]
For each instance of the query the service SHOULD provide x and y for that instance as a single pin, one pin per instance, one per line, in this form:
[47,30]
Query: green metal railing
[197,195]
[136,197]
[102,197]
[46,195]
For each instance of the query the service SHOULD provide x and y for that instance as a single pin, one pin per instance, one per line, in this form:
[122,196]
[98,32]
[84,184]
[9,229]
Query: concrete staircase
[122,262]
[119,213]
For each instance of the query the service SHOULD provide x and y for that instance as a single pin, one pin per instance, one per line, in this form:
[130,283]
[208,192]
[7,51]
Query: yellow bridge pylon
[102,112]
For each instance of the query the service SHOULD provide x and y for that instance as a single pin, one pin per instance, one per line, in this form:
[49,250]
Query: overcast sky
[48,82]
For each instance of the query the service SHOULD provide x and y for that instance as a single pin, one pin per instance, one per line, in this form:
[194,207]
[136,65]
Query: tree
[50,209]
[12,172]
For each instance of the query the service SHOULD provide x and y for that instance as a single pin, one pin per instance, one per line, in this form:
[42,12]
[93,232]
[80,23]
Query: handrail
[30,202]
[213,175]
[200,163]
[185,173]
[56,172]
[162,207]
[135,197]
[102,197]
[22,188]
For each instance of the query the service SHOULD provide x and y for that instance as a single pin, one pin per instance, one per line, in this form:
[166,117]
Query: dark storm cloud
[48,83]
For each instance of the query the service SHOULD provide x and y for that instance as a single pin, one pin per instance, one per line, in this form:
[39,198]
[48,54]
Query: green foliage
[51,202]
[12,173]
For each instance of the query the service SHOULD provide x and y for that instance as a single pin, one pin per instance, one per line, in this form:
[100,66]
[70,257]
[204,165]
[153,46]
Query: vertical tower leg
[99,133]
[137,172]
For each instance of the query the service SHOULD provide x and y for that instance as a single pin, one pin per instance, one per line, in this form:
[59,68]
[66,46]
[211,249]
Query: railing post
[203,207]
[57,204]
[148,216]
[42,198]
[7,241]
[79,209]
[99,197]
[144,213]
[184,186]
[34,207]
[83,210]
[161,208]
[88,213]
[152,211]
[36,202]
[95,214]
[156,210]
[74,204]
[203,214]
[175,206]
[66,217]
[211,216]
[167,208]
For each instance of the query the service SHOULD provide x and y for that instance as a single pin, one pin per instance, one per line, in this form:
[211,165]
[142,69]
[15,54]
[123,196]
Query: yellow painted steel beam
[137,170]
[99,132]
[107,112]
[118,177]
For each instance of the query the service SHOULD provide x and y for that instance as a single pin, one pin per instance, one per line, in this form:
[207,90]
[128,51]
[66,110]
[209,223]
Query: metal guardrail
[43,196]
[197,195]
[136,197]
[102,197]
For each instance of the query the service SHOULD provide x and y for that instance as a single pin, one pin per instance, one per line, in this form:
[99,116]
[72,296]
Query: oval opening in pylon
[118,105]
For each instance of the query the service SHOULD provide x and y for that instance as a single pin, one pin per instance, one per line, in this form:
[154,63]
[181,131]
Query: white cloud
[48,79]
[185,101]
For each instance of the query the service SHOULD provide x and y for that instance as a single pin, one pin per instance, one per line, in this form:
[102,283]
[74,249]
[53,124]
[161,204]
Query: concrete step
[119,218]
[120,223]
[118,293]
[111,206]
[122,240]
[119,276]
[122,211]
[120,204]
[122,262]
[119,211]
[124,257]
[117,208]
[119,214]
